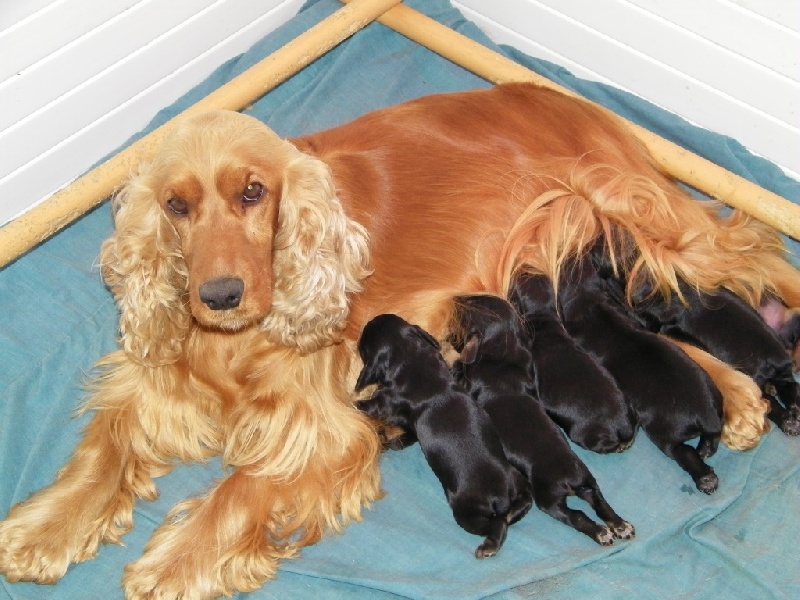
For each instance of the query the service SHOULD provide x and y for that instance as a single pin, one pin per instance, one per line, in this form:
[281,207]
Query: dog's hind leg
[708,445]
[494,539]
[690,461]
[744,410]
[558,509]
[786,279]
[788,391]
[619,527]
[787,419]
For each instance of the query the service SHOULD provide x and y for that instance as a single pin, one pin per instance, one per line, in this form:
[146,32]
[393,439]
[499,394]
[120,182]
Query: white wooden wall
[731,66]
[79,77]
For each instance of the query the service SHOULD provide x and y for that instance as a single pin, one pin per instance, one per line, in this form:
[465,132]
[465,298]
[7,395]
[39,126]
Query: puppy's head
[490,328]
[532,294]
[386,343]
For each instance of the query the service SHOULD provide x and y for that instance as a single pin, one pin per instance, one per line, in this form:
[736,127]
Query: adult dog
[241,261]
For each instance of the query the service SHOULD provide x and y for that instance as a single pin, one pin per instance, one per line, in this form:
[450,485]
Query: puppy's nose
[222,293]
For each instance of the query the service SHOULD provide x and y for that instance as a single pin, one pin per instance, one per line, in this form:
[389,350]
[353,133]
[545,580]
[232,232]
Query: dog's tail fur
[557,226]
[654,230]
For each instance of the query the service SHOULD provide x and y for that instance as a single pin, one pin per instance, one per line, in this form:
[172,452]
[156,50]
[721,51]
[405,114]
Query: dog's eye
[178,206]
[252,193]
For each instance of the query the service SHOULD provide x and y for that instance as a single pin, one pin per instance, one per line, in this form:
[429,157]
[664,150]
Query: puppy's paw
[604,536]
[790,423]
[707,483]
[706,448]
[623,530]
[486,549]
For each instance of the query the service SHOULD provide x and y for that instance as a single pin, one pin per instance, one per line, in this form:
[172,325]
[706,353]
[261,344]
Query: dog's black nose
[222,293]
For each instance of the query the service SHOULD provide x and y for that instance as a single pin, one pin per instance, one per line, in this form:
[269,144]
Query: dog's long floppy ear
[375,370]
[319,257]
[143,266]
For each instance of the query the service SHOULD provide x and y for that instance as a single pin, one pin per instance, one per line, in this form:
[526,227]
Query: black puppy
[416,391]
[495,366]
[673,398]
[575,389]
[725,326]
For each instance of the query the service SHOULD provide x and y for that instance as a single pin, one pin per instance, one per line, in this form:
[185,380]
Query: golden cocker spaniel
[244,267]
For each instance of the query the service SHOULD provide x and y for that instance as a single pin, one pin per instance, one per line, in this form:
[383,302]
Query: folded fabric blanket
[59,319]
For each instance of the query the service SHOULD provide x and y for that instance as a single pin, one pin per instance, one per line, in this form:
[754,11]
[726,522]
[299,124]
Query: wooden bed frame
[67,205]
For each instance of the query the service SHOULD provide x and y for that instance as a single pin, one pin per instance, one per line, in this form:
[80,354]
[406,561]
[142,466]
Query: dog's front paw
[38,544]
[31,553]
[189,578]
[623,530]
[707,483]
[187,560]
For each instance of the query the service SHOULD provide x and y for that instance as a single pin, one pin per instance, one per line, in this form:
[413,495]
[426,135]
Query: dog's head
[491,328]
[232,227]
[388,342]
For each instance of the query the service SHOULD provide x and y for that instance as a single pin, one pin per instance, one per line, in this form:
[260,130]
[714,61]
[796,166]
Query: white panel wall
[731,66]
[79,77]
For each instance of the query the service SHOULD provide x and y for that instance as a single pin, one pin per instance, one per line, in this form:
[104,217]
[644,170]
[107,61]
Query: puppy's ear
[471,347]
[320,257]
[143,266]
[375,370]
[426,337]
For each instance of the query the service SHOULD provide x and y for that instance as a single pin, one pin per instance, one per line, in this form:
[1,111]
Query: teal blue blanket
[740,543]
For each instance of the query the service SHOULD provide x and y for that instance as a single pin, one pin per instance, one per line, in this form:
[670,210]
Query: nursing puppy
[575,390]
[731,330]
[673,397]
[417,392]
[495,367]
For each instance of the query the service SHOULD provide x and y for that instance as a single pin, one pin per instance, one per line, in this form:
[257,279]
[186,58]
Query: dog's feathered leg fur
[125,444]
[287,489]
